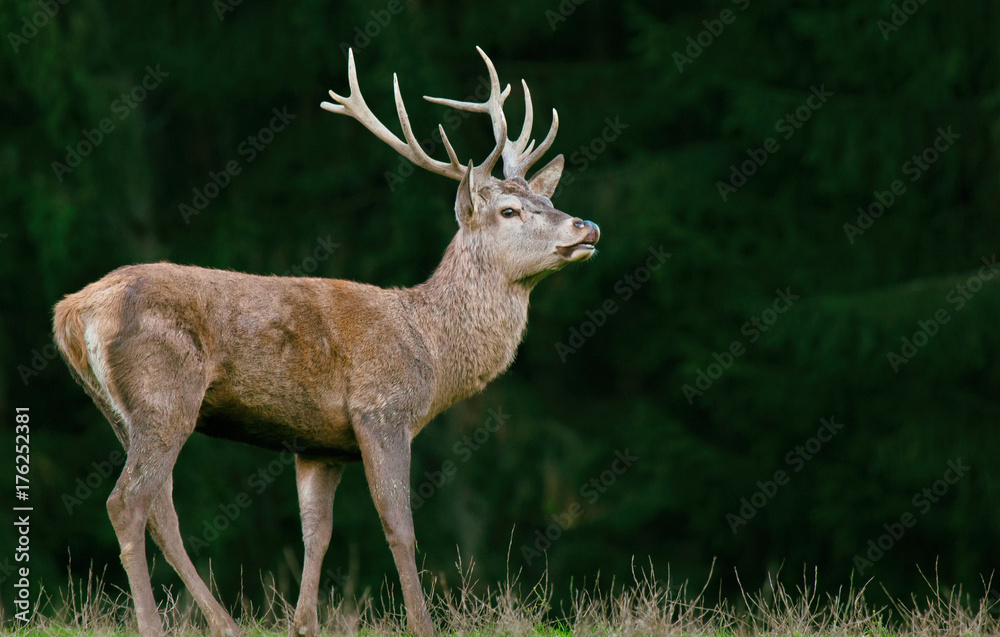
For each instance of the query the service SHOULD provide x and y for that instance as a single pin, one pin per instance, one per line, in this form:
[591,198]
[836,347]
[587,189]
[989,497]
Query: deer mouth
[577,251]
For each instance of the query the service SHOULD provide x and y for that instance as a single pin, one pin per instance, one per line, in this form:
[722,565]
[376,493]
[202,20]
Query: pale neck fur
[473,317]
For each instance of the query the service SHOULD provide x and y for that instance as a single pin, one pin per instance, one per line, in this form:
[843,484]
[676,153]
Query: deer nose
[595,232]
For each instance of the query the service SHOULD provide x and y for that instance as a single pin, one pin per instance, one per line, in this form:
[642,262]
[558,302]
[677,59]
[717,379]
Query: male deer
[346,371]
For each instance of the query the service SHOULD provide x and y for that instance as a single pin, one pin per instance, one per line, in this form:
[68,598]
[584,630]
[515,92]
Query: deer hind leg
[164,528]
[157,396]
[147,466]
[317,482]
[385,451]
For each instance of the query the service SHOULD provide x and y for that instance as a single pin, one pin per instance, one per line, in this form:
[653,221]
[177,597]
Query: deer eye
[508,212]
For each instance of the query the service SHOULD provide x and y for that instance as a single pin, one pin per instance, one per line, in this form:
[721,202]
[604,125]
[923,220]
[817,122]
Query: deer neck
[474,320]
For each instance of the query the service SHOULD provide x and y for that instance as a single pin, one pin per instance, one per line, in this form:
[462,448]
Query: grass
[644,606]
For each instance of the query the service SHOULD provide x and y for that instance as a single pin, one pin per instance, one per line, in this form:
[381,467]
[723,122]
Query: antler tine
[529,156]
[354,106]
[447,146]
[494,104]
[529,119]
[419,157]
[514,152]
[472,107]
[495,108]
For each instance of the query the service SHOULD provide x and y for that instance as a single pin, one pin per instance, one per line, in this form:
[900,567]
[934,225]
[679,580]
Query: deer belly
[297,420]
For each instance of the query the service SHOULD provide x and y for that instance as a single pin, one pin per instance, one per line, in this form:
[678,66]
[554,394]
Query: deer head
[509,223]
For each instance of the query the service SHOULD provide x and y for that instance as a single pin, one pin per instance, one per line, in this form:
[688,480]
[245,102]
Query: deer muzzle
[585,247]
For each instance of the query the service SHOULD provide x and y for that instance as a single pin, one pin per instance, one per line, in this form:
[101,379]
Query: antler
[354,106]
[518,155]
[492,106]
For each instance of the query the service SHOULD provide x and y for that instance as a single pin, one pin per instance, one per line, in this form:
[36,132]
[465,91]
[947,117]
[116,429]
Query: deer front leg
[385,451]
[317,482]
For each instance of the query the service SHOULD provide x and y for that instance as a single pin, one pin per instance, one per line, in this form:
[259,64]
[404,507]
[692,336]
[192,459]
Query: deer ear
[544,182]
[465,201]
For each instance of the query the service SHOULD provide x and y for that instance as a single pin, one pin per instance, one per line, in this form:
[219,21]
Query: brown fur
[68,330]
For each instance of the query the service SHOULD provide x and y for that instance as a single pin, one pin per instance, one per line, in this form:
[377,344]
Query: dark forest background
[666,109]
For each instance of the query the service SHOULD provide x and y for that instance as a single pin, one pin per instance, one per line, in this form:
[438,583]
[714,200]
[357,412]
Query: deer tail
[68,329]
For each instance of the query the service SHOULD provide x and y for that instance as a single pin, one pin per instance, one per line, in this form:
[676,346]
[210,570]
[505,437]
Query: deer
[344,371]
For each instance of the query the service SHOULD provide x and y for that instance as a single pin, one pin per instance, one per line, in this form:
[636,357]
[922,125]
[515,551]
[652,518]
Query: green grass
[645,606]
